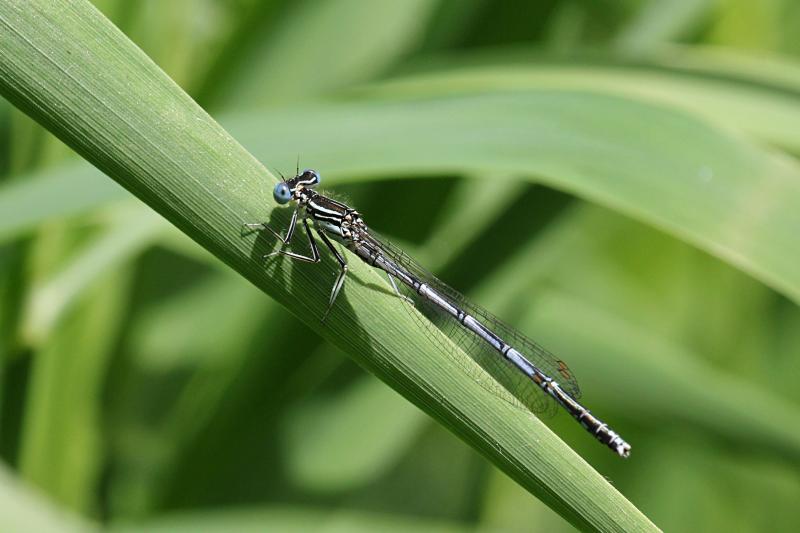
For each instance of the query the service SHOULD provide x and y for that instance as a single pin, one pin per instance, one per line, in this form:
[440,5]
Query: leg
[339,280]
[289,234]
[397,292]
[314,251]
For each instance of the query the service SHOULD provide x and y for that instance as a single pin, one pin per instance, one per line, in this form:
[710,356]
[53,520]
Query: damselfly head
[284,191]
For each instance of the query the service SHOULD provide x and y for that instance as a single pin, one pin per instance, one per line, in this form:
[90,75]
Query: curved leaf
[665,168]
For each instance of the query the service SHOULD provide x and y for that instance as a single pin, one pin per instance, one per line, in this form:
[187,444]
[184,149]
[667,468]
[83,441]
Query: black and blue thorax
[335,218]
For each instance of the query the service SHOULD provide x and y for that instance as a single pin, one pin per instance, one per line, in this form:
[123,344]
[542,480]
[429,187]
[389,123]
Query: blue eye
[282,193]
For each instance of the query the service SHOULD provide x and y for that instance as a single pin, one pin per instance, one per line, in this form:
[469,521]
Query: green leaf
[348,46]
[658,22]
[62,442]
[760,99]
[23,509]
[321,437]
[66,190]
[668,383]
[132,230]
[711,198]
[67,66]
[290,519]
[611,336]
[195,357]
[657,165]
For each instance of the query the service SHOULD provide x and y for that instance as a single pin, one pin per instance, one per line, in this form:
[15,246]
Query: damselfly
[475,330]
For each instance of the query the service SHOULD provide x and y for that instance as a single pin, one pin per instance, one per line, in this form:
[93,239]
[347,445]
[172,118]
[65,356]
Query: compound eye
[282,193]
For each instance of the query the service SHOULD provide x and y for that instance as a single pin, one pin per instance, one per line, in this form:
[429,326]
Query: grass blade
[63,63]
[21,509]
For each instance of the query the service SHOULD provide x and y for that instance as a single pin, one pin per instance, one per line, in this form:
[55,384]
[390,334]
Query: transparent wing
[502,374]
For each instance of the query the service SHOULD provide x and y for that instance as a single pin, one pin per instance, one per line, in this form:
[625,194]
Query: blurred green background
[143,385]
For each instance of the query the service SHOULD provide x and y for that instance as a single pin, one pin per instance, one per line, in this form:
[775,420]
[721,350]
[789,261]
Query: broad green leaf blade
[132,230]
[665,168]
[658,22]
[62,441]
[751,102]
[63,191]
[321,437]
[205,350]
[670,381]
[715,190]
[781,72]
[779,441]
[67,66]
[762,491]
[290,519]
[474,206]
[23,509]
[327,44]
